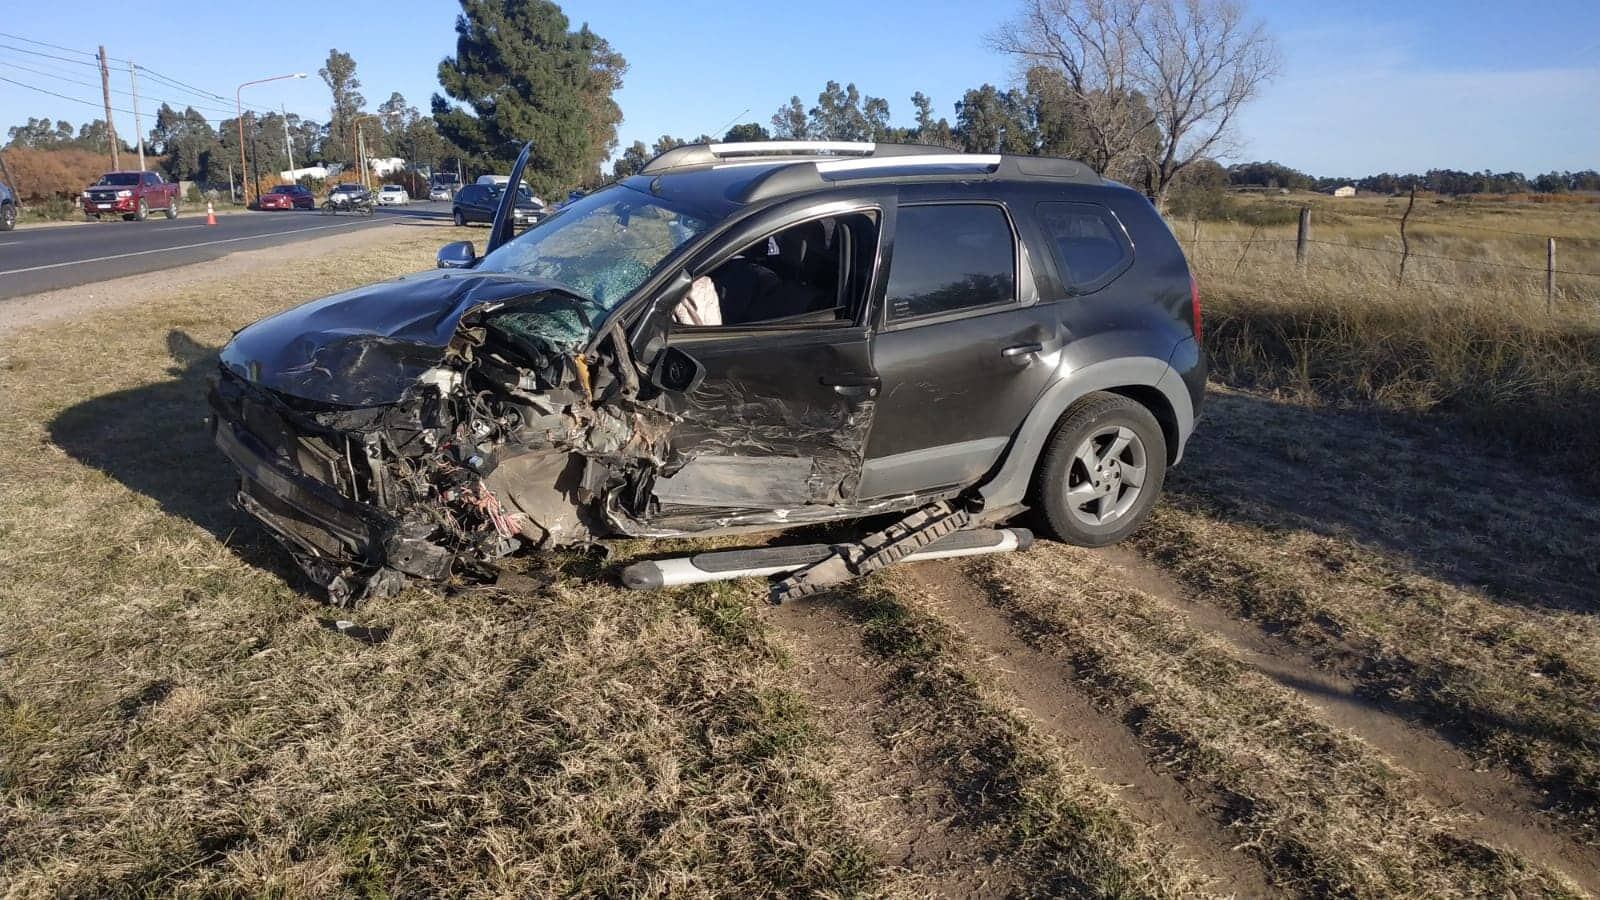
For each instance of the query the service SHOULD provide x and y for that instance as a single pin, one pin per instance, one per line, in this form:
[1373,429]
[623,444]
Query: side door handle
[853,385]
[1021,350]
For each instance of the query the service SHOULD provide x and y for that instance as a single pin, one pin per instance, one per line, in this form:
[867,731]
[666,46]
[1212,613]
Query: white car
[392,195]
[441,192]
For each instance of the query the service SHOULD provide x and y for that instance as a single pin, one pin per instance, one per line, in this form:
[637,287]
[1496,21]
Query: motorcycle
[361,204]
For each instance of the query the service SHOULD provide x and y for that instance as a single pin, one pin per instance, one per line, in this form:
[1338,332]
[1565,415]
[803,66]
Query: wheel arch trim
[1009,484]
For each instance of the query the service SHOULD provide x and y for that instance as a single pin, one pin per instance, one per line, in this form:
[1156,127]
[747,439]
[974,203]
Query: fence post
[1301,236]
[1246,251]
[1550,275]
[1194,237]
[1405,245]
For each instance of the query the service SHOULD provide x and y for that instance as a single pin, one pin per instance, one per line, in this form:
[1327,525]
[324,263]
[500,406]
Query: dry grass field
[1469,333]
[1355,653]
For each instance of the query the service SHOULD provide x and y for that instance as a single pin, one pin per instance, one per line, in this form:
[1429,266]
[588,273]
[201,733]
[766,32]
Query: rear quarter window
[950,257]
[1086,241]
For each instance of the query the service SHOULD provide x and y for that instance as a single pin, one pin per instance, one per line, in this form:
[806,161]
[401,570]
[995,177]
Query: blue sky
[1366,86]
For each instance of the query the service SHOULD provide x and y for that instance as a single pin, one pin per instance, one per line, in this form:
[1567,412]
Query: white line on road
[248,237]
[9,243]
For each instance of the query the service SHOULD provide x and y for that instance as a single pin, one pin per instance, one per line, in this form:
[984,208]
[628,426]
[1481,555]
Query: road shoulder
[45,307]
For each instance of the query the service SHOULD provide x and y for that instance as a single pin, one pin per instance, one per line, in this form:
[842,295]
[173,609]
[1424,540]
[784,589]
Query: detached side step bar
[766,561]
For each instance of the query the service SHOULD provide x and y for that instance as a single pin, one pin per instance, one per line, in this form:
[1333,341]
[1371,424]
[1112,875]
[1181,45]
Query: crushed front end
[376,458]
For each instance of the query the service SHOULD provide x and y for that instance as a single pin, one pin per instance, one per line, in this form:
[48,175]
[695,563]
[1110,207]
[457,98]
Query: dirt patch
[913,818]
[1502,810]
[1459,596]
[68,303]
[1069,716]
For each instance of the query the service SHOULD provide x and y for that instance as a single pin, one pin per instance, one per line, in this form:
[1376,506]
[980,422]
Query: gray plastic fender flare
[1009,485]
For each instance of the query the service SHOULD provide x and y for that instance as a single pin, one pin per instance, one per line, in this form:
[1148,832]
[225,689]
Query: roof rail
[816,174]
[707,154]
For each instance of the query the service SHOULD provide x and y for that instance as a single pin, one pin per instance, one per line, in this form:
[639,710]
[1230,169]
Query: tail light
[1194,306]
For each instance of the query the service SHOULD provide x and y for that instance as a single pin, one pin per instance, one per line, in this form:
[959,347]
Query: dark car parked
[288,196]
[823,332]
[478,202]
[8,209]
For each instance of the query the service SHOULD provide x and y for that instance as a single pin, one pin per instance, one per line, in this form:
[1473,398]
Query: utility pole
[137,128]
[255,156]
[288,148]
[105,91]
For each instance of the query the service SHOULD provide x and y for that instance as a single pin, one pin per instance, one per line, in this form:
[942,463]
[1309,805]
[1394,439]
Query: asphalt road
[47,258]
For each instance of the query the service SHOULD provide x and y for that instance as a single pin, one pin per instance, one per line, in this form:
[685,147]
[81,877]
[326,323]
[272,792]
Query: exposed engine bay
[515,438]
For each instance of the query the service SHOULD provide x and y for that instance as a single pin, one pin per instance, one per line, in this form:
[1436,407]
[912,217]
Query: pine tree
[520,74]
[339,74]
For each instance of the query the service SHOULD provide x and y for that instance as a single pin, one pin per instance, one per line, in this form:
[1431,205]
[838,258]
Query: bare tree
[1153,84]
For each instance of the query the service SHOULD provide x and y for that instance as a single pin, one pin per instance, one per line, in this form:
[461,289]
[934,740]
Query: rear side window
[1087,242]
[950,257]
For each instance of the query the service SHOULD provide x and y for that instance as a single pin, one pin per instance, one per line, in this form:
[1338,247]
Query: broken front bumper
[351,548]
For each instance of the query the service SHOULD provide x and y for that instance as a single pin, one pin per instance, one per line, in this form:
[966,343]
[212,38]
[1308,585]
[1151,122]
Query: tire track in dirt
[1502,809]
[1040,687]
[918,823]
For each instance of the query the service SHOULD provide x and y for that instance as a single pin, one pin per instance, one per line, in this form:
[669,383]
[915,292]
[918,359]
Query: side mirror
[457,255]
[676,372]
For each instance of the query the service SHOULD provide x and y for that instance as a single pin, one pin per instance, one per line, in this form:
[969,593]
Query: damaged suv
[742,337]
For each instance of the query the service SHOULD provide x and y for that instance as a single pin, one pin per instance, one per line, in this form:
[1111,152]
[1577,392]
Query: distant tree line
[1142,91]
[1440,181]
[42,134]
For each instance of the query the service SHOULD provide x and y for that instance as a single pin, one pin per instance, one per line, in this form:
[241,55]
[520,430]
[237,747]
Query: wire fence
[1423,221]
[1581,282]
[1264,242]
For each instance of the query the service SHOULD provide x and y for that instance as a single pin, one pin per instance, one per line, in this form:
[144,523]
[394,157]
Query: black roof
[699,175]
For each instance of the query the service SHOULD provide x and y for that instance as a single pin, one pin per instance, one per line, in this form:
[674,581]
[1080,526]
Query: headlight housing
[122,194]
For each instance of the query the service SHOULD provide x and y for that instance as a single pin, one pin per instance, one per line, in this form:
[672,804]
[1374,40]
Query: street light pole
[133,79]
[238,116]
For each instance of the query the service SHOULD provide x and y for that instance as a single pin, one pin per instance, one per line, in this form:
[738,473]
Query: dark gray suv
[742,337]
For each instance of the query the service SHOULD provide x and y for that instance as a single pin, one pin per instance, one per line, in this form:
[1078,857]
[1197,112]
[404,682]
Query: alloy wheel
[1107,475]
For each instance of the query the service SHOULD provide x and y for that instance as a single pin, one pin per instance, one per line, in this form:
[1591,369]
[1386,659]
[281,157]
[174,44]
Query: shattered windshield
[601,247]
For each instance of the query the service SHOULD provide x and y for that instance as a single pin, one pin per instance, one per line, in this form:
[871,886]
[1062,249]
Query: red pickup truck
[133,195]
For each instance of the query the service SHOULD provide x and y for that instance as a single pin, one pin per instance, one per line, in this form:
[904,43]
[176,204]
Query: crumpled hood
[366,347]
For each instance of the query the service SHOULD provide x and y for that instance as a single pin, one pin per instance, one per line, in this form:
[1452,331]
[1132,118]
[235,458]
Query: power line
[81,62]
[166,100]
[94,103]
[178,84]
[94,64]
[17,65]
[18,37]
[62,96]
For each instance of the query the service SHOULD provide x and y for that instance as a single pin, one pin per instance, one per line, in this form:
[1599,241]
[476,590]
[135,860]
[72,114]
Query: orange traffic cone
[211,215]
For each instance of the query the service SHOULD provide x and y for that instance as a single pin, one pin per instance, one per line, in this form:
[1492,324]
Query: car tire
[8,217]
[141,212]
[459,219]
[1101,472]
[172,208]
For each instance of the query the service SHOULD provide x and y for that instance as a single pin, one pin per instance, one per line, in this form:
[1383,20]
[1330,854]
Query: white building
[385,165]
[1348,190]
[293,175]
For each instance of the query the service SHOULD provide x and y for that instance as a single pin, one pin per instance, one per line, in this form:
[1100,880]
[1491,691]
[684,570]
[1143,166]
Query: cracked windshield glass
[601,247]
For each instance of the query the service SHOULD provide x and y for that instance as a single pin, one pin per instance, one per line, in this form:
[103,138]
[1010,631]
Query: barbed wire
[1420,219]
[1394,252]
